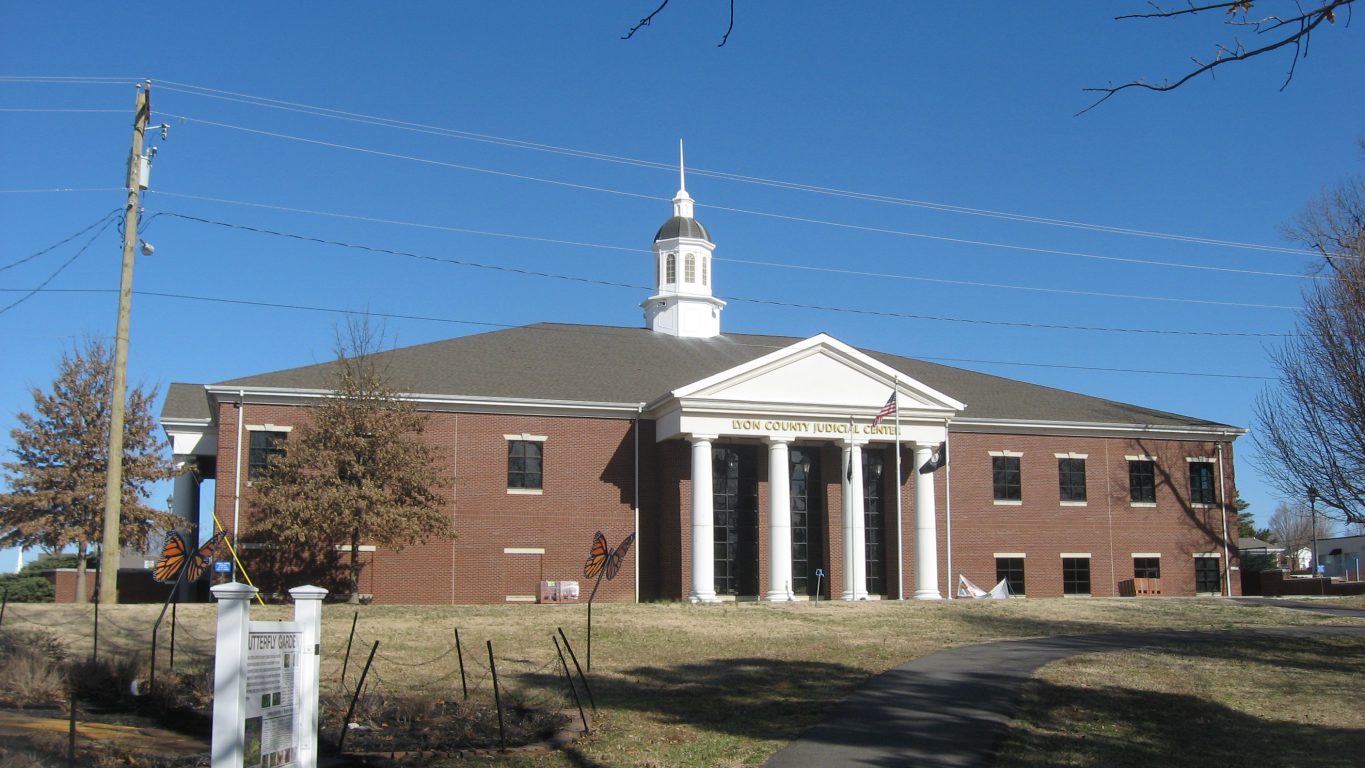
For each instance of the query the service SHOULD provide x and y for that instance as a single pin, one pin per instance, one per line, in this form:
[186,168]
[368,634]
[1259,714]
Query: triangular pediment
[820,372]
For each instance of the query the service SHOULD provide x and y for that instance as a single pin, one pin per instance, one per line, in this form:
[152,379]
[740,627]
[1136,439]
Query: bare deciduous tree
[1312,431]
[1292,29]
[1292,527]
[358,471]
[56,496]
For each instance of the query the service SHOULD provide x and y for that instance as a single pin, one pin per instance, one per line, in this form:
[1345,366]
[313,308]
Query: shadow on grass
[747,697]
[1113,726]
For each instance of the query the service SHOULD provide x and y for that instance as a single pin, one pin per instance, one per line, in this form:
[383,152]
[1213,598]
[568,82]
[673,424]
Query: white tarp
[965,588]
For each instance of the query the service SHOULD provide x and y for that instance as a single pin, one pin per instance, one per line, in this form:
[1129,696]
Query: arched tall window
[671,268]
[690,268]
[706,270]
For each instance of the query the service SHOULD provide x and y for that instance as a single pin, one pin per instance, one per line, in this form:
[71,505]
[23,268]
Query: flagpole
[900,490]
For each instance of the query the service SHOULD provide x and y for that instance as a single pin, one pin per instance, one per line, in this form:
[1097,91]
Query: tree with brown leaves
[358,471]
[56,483]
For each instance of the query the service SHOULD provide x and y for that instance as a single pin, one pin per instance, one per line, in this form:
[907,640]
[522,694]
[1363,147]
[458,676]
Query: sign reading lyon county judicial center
[928,433]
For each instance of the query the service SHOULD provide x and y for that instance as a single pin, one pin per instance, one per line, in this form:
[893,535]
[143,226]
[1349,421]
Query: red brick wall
[589,485]
[1109,526]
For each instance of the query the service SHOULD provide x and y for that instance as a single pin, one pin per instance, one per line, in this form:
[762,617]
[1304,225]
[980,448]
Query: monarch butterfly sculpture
[179,563]
[603,561]
[599,557]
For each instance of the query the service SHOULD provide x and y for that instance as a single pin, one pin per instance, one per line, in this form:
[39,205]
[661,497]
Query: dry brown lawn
[675,684]
[1262,701]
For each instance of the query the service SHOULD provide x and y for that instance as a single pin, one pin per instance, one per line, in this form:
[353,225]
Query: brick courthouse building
[748,465]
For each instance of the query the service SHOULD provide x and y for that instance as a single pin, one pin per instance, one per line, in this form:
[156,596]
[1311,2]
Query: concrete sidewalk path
[953,708]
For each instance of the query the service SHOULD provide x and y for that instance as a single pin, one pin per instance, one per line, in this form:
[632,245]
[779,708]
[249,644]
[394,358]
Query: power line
[1105,370]
[766,302]
[108,219]
[744,211]
[776,265]
[61,189]
[64,109]
[61,242]
[400,223]
[357,117]
[487,324]
[414,158]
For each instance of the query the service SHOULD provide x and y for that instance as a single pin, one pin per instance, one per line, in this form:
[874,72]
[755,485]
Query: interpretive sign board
[265,682]
[271,725]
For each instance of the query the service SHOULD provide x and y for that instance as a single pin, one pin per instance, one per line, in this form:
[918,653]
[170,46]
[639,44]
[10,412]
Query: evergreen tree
[56,483]
[358,471]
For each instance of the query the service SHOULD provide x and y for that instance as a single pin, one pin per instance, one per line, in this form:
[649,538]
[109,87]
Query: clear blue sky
[944,103]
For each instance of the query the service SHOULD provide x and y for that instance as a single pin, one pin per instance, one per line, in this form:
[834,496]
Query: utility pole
[113,484]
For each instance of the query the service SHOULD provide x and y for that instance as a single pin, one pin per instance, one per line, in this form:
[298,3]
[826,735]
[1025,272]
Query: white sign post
[265,684]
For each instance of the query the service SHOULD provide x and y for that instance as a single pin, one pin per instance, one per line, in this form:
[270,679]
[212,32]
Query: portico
[818,397]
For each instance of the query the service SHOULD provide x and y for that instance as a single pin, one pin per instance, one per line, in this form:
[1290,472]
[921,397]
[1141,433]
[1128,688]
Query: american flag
[887,410]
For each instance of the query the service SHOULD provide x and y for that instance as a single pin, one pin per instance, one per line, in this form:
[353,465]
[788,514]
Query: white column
[308,615]
[855,562]
[185,505]
[779,522]
[703,525]
[926,537]
[229,674]
[859,527]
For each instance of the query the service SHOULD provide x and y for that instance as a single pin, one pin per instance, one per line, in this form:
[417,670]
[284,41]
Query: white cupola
[682,304]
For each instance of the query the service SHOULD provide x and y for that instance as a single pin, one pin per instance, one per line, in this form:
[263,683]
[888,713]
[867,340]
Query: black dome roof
[682,226]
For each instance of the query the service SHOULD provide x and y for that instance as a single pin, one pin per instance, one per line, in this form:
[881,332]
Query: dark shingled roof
[682,226]
[605,364]
[186,401]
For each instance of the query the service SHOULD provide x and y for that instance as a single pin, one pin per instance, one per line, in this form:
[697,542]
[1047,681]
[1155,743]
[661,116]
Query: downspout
[948,511]
[237,473]
[1223,513]
[900,492]
[639,545]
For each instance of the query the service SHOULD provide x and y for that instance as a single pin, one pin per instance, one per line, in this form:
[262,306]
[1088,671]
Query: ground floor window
[1011,570]
[1146,567]
[1076,575]
[1207,576]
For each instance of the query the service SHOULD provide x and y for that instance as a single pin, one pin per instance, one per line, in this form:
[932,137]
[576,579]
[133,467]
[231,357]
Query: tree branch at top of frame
[1297,29]
[646,21]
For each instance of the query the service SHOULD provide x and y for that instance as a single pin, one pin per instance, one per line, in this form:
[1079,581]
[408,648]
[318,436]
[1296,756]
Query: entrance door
[734,477]
[807,513]
[874,519]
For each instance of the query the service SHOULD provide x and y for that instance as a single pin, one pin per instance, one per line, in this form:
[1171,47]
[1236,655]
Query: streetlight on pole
[1313,506]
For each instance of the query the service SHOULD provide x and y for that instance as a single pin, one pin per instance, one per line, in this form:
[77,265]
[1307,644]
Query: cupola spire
[682,202]
[683,303]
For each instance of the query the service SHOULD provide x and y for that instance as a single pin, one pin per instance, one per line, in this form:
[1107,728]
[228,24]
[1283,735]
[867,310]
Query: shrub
[27,589]
[50,562]
[30,668]
[106,681]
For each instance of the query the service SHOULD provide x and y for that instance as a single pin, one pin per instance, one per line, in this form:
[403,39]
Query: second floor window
[266,447]
[1201,483]
[1071,474]
[1005,476]
[525,459]
[1142,481]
